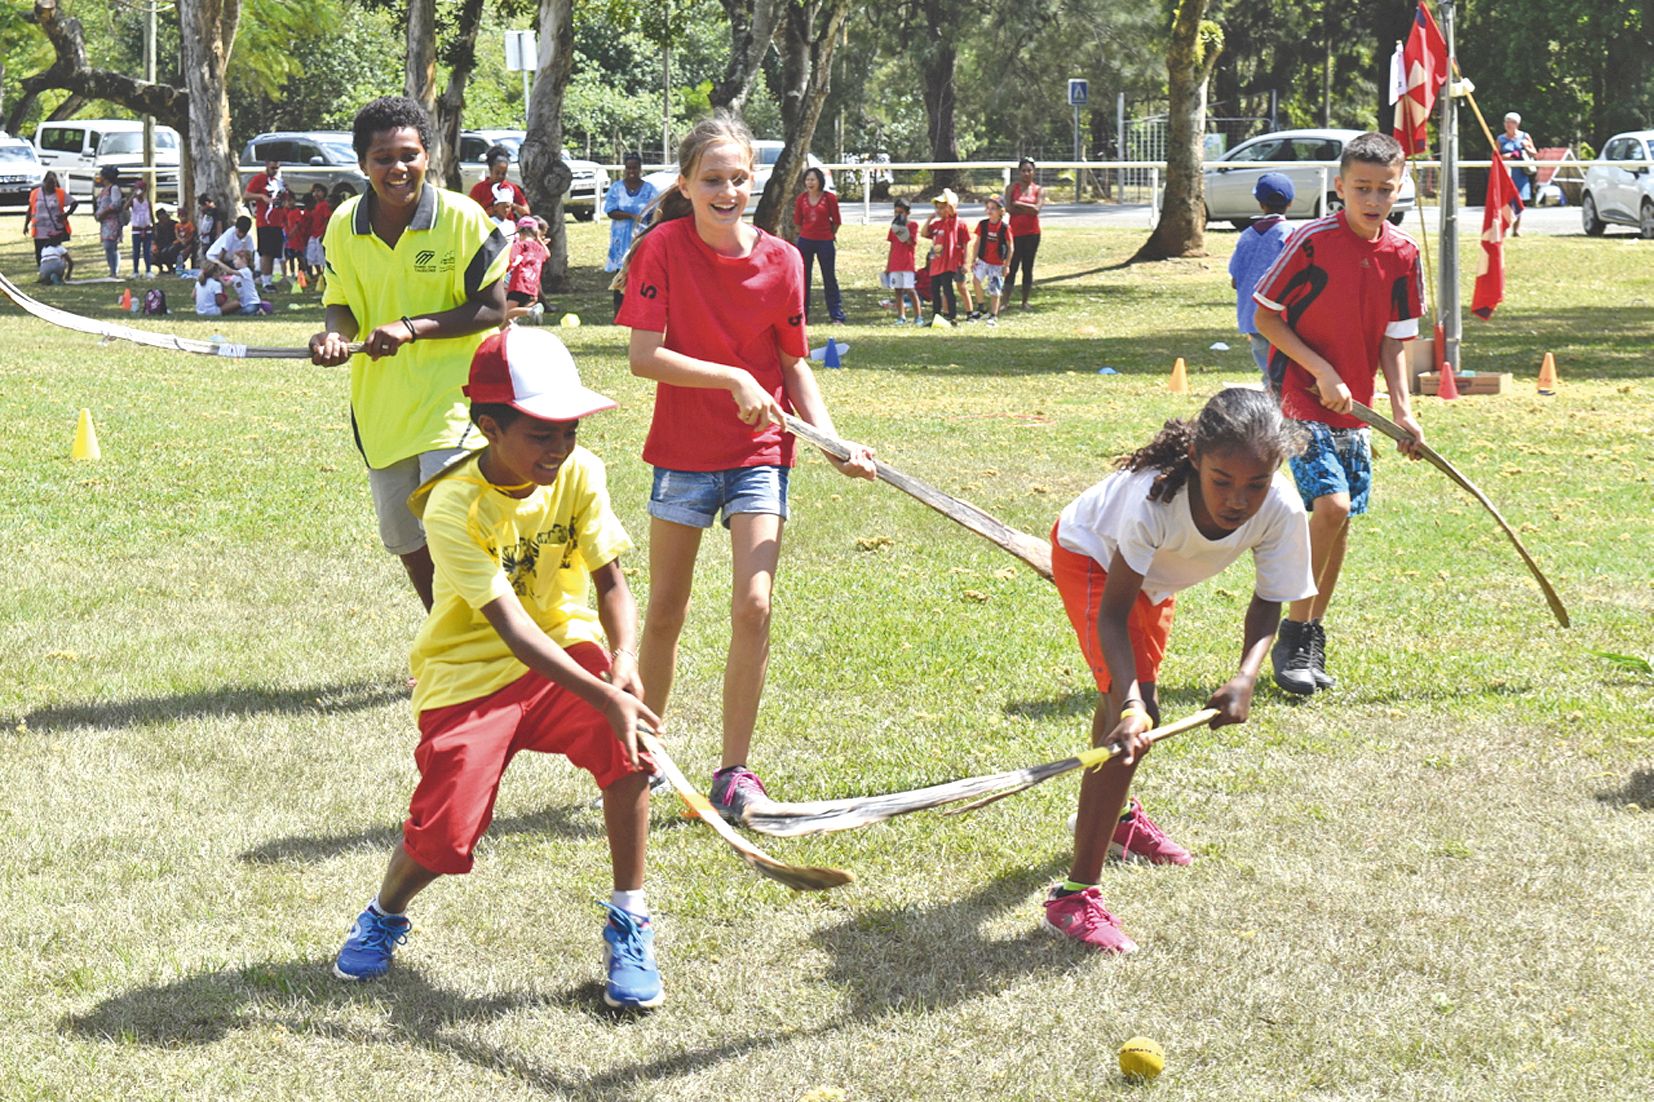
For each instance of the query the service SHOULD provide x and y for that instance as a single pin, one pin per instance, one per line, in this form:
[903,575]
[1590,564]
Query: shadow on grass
[945,959]
[354,696]
[1083,702]
[1639,790]
[573,821]
[302,997]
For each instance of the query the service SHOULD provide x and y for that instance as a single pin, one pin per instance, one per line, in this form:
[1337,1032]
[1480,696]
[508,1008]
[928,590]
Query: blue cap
[1273,189]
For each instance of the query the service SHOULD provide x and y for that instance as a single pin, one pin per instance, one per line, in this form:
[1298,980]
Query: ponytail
[1236,418]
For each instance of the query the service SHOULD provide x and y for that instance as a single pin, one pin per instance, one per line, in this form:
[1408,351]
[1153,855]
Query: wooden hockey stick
[1401,436]
[1031,550]
[799,878]
[823,816]
[64,319]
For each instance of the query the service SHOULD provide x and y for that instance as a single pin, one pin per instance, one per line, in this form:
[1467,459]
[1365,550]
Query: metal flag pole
[1448,309]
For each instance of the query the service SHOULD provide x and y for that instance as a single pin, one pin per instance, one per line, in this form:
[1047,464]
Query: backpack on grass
[155,301]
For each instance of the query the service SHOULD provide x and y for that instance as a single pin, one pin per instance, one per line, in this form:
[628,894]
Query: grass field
[1434,882]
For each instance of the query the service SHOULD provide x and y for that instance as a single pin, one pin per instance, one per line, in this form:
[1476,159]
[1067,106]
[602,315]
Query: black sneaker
[1318,656]
[1291,658]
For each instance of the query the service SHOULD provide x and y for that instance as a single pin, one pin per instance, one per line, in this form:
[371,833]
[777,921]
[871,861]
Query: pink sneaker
[1140,838]
[1083,918]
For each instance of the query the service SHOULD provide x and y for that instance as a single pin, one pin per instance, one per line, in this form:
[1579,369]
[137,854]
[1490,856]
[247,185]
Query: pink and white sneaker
[1082,917]
[1140,838]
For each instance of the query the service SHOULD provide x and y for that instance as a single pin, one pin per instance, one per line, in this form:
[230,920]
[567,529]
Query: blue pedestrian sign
[1077,92]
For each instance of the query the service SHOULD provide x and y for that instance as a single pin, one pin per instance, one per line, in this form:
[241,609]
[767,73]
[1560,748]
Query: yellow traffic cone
[1547,375]
[86,439]
[1180,377]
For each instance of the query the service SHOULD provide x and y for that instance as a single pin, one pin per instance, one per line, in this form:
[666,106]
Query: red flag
[1503,204]
[1424,65]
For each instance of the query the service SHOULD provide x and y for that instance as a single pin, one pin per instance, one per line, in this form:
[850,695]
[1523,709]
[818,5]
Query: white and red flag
[1424,68]
[1503,205]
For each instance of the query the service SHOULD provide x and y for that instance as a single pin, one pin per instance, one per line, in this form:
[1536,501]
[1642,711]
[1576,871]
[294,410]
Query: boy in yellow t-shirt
[511,657]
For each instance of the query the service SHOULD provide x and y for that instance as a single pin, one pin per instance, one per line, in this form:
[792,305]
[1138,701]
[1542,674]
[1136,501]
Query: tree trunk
[450,106]
[208,30]
[1194,49]
[545,177]
[812,31]
[753,25]
[70,71]
[936,65]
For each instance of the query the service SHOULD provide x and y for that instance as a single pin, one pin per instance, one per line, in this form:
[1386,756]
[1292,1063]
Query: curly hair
[1236,418]
[388,113]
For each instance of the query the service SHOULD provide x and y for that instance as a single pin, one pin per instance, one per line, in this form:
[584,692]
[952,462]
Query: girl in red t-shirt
[1025,198]
[949,240]
[816,215]
[716,310]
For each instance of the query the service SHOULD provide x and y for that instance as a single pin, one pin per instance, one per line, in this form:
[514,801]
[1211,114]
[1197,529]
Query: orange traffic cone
[1547,375]
[86,438]
[1180,377]
[1448,388]
[300,280]
[126,299]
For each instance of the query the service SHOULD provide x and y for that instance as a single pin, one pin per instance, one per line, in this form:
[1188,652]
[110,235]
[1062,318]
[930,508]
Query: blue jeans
[827,253]
[140,249]
[112,253]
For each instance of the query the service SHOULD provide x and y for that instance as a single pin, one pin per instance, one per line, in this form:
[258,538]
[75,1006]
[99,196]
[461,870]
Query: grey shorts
[399,530]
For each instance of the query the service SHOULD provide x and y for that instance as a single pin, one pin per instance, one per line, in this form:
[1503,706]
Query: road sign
[522,53]
[1078,90]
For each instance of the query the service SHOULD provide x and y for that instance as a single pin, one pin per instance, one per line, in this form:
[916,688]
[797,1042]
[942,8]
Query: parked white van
[76,148]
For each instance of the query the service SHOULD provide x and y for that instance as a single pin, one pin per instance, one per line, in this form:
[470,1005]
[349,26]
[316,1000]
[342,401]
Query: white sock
[630,901]
[379,909]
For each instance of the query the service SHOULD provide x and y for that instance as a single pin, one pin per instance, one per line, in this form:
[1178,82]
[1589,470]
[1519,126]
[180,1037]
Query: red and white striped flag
[1424,71]
[1503,205]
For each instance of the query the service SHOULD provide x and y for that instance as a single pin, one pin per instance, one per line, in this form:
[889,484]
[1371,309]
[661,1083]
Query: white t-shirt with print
[1159,540]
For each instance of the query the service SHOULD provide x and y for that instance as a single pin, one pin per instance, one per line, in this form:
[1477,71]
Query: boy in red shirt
[990,256]
[898,269]
[1340,300]
[950,241]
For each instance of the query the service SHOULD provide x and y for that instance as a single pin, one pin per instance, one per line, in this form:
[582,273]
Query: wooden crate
[1486,382]
[1420,358]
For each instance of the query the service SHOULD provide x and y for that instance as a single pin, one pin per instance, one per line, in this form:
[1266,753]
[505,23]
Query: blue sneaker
[629,959]
[373,937]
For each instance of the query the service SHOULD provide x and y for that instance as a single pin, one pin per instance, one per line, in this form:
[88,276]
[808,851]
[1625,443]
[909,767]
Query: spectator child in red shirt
[990,256]
[320,211]
[898,269]
[950,241]
[295,228]
[528,259]
[716,309]
[815,213]
[1338,303]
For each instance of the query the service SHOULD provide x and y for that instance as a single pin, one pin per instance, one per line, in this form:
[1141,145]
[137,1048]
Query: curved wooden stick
[1401,436]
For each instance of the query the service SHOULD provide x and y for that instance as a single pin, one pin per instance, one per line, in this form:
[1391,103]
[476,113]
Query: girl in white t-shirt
[1178,511]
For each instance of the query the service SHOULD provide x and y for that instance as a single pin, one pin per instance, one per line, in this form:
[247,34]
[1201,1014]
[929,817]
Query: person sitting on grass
[1259,245]
[244,278]
[419,271]
[1338,303]
[1119,554]
[512,658]
[56,265]
[209,294]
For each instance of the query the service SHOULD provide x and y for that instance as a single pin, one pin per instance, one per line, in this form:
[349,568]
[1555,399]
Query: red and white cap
[530,371]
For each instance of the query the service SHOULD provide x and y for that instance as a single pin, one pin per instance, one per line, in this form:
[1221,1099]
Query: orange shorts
[464,749]
[1080,580]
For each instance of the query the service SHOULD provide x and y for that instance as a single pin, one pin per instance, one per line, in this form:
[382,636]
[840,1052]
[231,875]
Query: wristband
[625,650]
[412,336]
[1137,712]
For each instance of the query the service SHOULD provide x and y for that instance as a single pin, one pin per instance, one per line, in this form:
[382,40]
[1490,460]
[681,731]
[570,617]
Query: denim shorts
[1336,461]
[697,498]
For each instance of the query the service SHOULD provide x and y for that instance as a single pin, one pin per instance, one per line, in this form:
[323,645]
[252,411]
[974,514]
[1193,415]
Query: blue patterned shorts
[1337,461]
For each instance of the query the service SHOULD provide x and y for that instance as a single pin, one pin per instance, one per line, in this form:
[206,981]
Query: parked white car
[768,151]
[586,189]
[1229,183]
[1622,196]
[76,148]
[20,171]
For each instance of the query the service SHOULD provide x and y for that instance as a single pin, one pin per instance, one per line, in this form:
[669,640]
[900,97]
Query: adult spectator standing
[1024,199]
[815,213]
[484,190]
[109,208]
[261,195]
[627,204]
[1516,145]
[47,215]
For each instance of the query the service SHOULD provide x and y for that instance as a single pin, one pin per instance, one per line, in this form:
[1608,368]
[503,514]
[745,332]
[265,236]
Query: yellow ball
[1141,1058]
[571,321]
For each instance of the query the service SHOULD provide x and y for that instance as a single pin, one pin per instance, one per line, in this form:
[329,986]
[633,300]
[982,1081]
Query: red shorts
[1080,580]
[464,749]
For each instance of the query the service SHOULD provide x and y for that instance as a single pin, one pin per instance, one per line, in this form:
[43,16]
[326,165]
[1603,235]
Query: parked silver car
[1229,183]
[20,171]
[307,157]
[1623,196]
[586,189]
